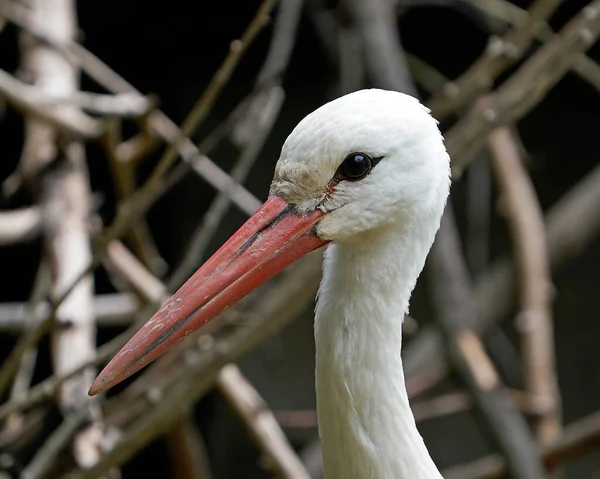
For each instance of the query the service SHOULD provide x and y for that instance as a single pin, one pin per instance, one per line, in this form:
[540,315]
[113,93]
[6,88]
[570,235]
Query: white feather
[382,228]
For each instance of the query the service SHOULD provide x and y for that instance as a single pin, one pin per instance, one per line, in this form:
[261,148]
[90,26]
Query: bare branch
[571,225]
[376,22]
[525,88]
[279,304]
[219,80]
[500,54]
[109,310]
[147,286]
[509,13]
[47,388]
[126,105]
[157,121]
[24,376]
[479,214]
[579,438]
[246,402]
[34,100]
[30,100]
[123,174]
[260,422]
[46,455]
[269,109]
[65,197]
[190,458]
[20,225]
[451,299]
[526,221]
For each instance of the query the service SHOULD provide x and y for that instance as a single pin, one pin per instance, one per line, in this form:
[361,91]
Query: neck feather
[366,425]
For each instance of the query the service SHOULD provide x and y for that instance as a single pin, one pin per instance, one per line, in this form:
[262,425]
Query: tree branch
[451,299]
[509,13]
[571,225]
[240,394]
[526,222]
[279,304]
[525,88]
[20,225]
[578,438]
[270,106]
[65,197]
[498,56]
[110,310]
[260,422]
[30,101]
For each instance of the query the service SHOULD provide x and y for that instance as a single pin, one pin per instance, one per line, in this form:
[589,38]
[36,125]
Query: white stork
[367,174]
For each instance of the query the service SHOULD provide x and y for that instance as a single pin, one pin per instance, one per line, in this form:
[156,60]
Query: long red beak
[273,238]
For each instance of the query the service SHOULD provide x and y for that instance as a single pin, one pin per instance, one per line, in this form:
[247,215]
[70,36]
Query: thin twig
[110,310]
[526,222]
[138,204]
[204,233]
[271,73]
[20,225]
[386,63]
[251,408]
[572,224]
[120,261]
[498,56]
[65,197]
[123,174]
[238,391]
[211,93]
[188,450]
[512,14]
[250,131]
[22,382]
[282,43]
[47,388]
[28,99]
[452,304]
[578,439]
[525,88]
[46,455]
[479,214]
[283,301]
[157,120]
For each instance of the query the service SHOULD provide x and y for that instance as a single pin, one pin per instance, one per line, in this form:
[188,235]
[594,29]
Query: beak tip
[97,386]
[94,389]
[103,382]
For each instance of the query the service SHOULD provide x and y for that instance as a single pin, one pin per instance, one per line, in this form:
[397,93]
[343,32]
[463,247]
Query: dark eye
[355,167]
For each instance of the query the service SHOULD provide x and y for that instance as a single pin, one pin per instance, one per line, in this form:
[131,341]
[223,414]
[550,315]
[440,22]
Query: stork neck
[366,425]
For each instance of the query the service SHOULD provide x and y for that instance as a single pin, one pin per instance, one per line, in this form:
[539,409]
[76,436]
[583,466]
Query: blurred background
[126,129]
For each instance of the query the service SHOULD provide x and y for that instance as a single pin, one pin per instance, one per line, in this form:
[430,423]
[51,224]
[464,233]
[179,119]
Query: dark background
[171,49]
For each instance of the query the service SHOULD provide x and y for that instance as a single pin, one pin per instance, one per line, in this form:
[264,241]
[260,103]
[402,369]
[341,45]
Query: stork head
[364,160]
[352,166]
